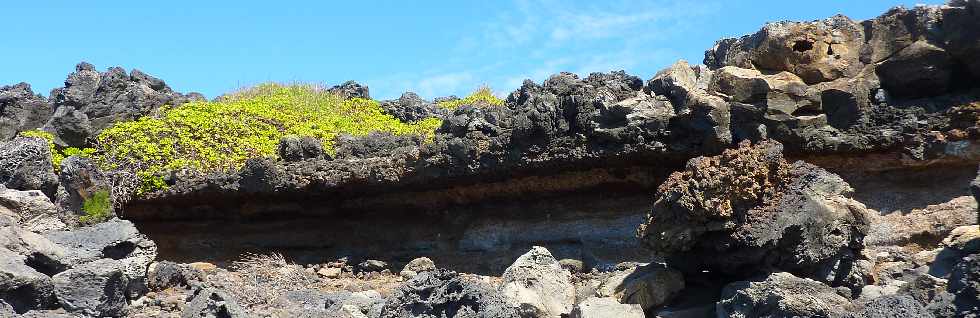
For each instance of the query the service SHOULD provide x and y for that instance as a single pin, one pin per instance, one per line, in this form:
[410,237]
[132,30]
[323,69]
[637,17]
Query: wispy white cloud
[537,38]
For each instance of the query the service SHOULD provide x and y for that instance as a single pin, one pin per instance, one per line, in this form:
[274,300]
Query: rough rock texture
[351,89]
[964,285]
[115,239]
[22,287]
[894,307]
[445,294]
[212,303]
[537,284]
[649,286]
[410,107]
[296,148]
[782,295]
[96,288]
[606,307]
[25,164]
[32,210]
[21,110]
[817,51]
[80,179]
[90,101]
[749,209]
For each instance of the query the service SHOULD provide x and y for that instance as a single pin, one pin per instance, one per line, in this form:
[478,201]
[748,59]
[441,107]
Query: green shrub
[56,155]
[481,97]
[211,136]
[97,208]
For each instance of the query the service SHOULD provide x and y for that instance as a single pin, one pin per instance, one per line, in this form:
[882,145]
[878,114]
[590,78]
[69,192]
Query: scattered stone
[372,265]
[165,274]
[212,302]
[649,286]
[537,283]
[329,272]
[606,307]
[445,294]
[421,264]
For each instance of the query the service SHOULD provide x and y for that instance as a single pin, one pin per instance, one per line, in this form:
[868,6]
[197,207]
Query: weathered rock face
[21,110]
[816,51]
[296,148]
[749,209]
[115,239]
[442,293]
[605,307]
[25,164]
[95,289]
[80,180]
[351,89]
[649,286]
[210,302]
[91,101]
[32,210]
[410,107]
[782,295]
[536,284]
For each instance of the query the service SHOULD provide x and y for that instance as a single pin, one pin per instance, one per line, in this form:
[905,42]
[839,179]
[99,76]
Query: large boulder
[748,209]
[114,239]
[25,164]
[446,294]
[649,286]
[964,285]
[919,70]
[95,289]
[961,32]
[21,110]
[296,148]
[898,28]
[782,93]
[32,210]
[536,283]
[702,119]
[782,295]
[606,307]
[817,51]
[22,287]
[90,101]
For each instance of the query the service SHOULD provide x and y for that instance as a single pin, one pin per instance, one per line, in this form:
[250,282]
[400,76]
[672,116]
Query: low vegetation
[58,154]
[481,97]
[217,135]
[97,208]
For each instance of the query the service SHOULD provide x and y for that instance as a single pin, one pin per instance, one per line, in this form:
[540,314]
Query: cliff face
[898,91]
[820,162]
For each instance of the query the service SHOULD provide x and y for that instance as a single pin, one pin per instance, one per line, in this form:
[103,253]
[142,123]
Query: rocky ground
[812,169]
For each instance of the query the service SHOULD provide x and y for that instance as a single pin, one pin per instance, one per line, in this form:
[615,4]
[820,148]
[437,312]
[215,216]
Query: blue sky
[434,48]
